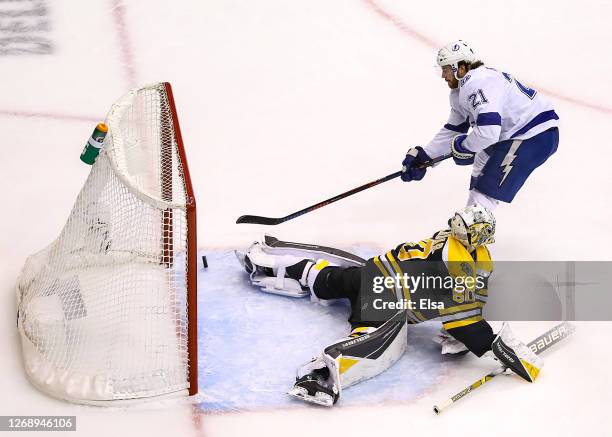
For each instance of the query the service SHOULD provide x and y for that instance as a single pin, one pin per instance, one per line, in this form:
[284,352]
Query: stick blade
[257,220]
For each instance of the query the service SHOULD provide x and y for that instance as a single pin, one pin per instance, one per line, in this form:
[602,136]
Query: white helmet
[473,226]
[455,52]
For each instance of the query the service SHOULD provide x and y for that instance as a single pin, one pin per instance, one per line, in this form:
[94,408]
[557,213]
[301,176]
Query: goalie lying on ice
[441,278]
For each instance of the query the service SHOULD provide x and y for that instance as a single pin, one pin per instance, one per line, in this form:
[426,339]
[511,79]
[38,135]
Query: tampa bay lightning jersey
[497,107]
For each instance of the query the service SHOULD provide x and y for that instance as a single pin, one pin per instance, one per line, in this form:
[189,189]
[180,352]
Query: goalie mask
[473,226]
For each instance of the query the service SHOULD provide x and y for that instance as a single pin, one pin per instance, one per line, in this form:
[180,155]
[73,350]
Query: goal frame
[107,313]
[192,249]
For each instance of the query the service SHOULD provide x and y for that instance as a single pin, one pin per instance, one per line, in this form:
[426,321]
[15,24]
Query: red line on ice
[127,57]
[413,33]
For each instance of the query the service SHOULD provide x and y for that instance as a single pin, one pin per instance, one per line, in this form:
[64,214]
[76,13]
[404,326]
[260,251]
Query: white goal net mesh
[103,311]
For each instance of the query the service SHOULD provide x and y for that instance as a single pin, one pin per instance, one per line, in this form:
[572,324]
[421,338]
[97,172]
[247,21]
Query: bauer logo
[544,342]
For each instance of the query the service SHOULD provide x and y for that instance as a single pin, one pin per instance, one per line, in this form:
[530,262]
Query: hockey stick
[259,220]
[543,342]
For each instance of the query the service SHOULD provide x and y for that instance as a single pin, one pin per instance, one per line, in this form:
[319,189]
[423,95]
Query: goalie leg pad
[268,271]
[516,355]
[267,261]
[367,352]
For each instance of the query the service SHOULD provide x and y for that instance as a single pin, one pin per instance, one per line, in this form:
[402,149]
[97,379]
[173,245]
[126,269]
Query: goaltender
[442,278]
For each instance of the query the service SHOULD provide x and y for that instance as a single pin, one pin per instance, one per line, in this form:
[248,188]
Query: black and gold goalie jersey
[434,279]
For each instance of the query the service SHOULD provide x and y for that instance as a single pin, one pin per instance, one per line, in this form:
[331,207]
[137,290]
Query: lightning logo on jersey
[508,160]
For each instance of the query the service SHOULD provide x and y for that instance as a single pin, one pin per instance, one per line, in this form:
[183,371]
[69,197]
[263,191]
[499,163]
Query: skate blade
[319,399]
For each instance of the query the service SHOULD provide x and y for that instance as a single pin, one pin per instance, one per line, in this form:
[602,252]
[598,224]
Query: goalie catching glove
[516,355]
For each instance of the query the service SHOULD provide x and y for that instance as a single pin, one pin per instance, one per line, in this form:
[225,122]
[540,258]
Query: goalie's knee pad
[267,262]
[367,352]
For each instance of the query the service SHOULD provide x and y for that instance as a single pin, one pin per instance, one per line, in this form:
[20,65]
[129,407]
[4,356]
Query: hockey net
[108,311]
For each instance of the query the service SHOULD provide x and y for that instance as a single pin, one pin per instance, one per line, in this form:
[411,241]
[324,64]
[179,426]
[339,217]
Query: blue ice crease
[251,344]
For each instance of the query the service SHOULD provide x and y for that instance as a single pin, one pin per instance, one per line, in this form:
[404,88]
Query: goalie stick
[540,344]
[259,220]
[275,242]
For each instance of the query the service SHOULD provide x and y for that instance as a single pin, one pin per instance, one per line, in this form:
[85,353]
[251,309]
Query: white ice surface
[283,104]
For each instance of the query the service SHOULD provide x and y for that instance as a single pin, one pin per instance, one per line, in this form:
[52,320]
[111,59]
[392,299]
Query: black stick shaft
[259,220]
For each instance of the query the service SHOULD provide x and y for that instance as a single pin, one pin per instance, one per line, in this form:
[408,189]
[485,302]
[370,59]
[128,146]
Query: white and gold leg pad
[267,271]
[266,262]
[367,352]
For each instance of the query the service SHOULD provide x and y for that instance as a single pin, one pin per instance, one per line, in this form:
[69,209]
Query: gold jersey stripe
[380,266]
[407,295]
[460,323]
[483,259]
[398,270]
[383,270]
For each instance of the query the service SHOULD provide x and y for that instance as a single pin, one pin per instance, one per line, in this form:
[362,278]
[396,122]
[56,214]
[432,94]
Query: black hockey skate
[313,388]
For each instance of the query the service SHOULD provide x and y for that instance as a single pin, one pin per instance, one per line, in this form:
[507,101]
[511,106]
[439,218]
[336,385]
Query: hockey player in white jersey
[513,128]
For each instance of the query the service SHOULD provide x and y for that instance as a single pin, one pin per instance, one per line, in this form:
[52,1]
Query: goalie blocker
[516,355]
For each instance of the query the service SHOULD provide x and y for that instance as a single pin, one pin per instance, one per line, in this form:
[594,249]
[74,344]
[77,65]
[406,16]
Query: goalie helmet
[473,226]
[455,52]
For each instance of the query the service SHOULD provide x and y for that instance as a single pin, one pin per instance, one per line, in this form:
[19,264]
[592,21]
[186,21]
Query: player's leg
[475,197]
[511,162]
[334,282]
[476,337]
[292,269]
[365,353]
[375,343]
[371,348]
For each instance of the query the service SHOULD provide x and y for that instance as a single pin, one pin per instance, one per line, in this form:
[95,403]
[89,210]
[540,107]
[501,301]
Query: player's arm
[483,101]
[428,249]
[505,347]
[441,142]
[477,336]
[440,145]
